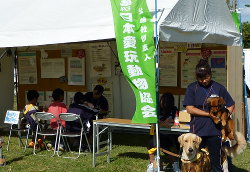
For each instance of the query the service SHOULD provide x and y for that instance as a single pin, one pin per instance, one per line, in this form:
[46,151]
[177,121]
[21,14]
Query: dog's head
[190,143]
[215,103]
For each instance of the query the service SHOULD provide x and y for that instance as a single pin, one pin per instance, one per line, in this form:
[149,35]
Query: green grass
[129,154]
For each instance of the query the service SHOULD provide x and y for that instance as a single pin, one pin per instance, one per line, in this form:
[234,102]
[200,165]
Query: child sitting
[56,108]
[29,114]
[87,116]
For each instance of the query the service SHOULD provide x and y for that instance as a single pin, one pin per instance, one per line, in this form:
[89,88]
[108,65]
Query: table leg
[94,143]
[97,139]
[109,144]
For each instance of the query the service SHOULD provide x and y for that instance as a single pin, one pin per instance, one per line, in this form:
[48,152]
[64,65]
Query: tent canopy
[200,21]
[35,22]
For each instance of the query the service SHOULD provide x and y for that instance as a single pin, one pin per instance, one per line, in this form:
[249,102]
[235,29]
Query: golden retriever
[195,159]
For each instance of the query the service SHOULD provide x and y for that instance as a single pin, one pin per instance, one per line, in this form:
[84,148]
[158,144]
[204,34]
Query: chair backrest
[69,116]
[44,116]
[12,117]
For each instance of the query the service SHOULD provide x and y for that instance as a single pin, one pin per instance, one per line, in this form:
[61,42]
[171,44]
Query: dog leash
[170,153]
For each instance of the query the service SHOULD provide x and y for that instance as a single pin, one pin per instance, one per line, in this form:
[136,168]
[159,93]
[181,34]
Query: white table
[109,123]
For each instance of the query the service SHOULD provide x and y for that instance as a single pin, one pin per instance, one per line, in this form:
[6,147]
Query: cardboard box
[184,117]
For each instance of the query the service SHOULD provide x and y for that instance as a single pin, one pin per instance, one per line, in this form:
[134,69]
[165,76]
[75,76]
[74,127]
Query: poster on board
[52,68]
[189,60]
[76,71]
[168,67]
[217,62]
[100,59]
[27,68]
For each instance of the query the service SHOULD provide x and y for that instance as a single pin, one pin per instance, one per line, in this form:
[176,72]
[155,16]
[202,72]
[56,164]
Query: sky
[245,11]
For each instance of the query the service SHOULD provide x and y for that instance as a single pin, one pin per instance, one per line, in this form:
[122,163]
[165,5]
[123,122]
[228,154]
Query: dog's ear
[198,141]
[221,101]
[180,139]
[209,100]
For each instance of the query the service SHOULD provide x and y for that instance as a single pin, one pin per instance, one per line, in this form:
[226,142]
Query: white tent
[200,21]
[35,22]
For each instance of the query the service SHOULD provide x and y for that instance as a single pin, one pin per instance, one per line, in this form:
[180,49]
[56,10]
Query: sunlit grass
[129,154]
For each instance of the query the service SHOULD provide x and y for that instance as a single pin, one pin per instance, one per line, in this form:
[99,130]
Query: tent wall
[235,84]
[7,86]
[122,94]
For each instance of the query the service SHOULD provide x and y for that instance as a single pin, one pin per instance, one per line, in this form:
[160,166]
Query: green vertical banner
[236,20]
[135,43]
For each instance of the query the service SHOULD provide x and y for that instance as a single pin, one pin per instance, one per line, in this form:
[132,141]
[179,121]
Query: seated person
[80,107]
[29,115]
[165,119]
[96,100]
[57,107]
[87,116]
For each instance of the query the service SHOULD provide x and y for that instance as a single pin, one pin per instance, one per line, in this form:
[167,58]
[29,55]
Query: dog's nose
[190,150]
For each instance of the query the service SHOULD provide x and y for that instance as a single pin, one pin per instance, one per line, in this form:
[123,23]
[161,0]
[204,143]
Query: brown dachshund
[220,115]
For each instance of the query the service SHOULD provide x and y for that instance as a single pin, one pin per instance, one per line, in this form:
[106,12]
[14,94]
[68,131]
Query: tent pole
[157,89]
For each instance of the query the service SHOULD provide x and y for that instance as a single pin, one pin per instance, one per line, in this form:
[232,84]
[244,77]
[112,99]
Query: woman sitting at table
[165,119]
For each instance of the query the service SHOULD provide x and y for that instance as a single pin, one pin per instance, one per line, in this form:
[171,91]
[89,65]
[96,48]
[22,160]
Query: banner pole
[157,89]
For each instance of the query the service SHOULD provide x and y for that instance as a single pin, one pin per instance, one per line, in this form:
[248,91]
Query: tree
[246,34]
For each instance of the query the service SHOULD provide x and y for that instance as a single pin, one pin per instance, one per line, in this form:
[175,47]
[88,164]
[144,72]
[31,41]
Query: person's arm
[231,108]
[197,112]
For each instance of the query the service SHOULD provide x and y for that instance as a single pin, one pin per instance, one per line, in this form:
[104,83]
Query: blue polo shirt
[196,95]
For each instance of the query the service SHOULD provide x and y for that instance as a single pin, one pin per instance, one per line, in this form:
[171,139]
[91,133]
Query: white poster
[76,71]
[189,60]
[52,68]
[168,67]
[27,68]
[218,65]
[100,59]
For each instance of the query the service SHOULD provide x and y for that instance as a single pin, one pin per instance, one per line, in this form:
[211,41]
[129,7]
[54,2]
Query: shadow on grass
[236,169]
[127,139]
[143,156]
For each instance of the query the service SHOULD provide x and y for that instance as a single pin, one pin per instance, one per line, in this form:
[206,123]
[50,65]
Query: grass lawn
[129,154]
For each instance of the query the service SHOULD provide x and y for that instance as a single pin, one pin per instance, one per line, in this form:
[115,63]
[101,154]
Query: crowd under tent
[53,28]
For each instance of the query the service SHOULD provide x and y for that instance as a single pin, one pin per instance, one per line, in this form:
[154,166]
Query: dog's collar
[198,156]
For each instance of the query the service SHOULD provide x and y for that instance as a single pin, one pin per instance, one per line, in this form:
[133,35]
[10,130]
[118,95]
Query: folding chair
[40,130]
[65,133]
[14,118]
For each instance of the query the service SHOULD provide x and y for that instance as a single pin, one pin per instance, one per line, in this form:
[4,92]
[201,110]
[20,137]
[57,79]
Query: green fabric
[236,20]
[135,44]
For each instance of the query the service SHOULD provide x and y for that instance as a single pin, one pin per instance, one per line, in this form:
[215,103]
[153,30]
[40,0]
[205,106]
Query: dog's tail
[238,148]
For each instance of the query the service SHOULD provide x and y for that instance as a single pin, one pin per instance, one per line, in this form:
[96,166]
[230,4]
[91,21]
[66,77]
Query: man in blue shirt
[201,124]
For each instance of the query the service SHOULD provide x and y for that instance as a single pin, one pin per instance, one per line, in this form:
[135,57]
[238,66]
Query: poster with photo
[76,71]
[188,62]
[27,67]
[168,67]
[217,62]
[100,59]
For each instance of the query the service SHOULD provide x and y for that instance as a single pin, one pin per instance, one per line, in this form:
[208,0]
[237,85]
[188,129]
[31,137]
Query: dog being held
[195,159]
[220,114]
